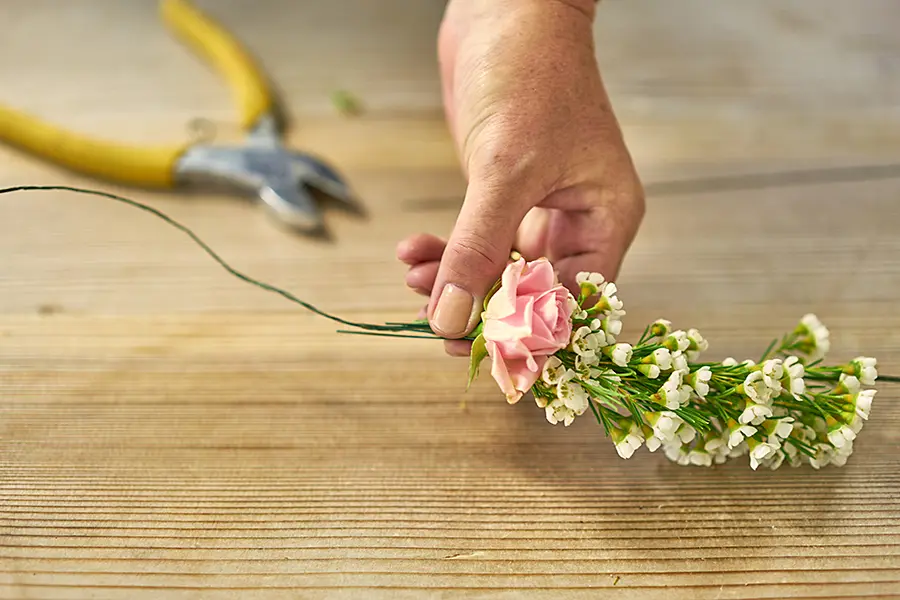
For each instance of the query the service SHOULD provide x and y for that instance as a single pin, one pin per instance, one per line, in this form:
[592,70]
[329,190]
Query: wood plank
[168,431]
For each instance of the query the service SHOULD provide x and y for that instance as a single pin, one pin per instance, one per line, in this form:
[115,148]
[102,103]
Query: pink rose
[528,319]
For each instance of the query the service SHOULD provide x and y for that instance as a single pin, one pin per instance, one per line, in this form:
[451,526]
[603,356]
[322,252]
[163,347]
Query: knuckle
[472,254]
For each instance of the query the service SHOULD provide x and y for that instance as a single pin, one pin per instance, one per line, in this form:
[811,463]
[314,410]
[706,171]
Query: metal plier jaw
[280,177]
[283,179]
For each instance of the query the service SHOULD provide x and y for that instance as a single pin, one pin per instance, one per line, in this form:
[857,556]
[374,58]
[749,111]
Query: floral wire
[391,329]
[246,278]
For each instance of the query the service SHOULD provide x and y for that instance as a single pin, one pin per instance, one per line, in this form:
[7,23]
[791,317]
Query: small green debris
[345,103]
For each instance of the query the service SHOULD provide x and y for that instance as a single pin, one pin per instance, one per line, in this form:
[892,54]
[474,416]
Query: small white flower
[774,461]
[553,371]
[755,388]
[571,400]
[815,342]
[557,412]
[671,392]
[627,443]
[792,380]
[824,454]
[678,454]
[612,325]
[729,362]
[739,450]
[773,371]
[585,365]
[679,362]
[783,427]
[686,433]
[653,443]
[840,434]
[715,446]
[737,435]
[699,380]
[586,343]
[595,278]
[865,369]
[863,403]
[848,384]
[700,458]
[571,393]
[589,283]
[664,424]
[760,452]
[651,371]
[660,328]
[677,341]
[697,344]
[755,414]
[840,455]
[608,302]
[620,354]
[577,311]
[662,358]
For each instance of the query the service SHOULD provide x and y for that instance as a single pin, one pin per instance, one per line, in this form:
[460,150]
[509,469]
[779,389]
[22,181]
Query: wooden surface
[168,432]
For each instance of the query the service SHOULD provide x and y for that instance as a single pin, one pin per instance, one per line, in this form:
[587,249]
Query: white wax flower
[840,435]
[661,328]
[679,362]
[628,443]
[773,371]
[863,403]
[651,371]
[817,336]
[755,388]
[761,452]
[662,358]
[755,414]
[620,354]
[697,344]
[699,379]
[737,435]
[848,384]
[792,380]
[677,341]
[700,458]
[671,391]
[865,369]
[553,371]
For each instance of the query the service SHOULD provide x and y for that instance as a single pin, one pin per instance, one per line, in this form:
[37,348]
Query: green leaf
[492,291]
[478,354]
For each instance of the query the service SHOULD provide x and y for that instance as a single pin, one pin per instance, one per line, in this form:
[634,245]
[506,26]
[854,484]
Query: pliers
[260,164]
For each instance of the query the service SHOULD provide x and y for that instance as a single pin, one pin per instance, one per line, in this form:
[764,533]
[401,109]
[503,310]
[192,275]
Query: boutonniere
[565,351]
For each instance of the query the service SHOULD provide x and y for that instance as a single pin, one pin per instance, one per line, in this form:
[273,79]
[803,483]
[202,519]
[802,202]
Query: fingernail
[453,311]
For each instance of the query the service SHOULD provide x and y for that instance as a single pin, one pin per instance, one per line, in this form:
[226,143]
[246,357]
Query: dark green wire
[369,327]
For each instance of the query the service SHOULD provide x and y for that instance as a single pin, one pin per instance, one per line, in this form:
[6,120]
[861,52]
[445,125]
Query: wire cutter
[261,164]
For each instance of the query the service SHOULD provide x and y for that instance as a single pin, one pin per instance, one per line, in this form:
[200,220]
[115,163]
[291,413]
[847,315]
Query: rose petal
[537,278]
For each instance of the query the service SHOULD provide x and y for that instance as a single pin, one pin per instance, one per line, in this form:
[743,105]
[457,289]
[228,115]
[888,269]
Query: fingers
[475,256]
[594,240]
[458,348]
[420,248]
[421,277]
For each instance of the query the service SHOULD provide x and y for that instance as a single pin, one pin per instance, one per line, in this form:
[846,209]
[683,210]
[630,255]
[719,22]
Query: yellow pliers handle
[145,166]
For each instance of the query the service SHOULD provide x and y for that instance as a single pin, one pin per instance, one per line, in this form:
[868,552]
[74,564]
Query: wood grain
[169,432]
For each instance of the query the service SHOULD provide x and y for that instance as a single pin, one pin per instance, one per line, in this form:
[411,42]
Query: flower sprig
[564,349]
[657,393]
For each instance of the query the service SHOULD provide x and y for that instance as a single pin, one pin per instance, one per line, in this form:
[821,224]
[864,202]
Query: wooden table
[169,432]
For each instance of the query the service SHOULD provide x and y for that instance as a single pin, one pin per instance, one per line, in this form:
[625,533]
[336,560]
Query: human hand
[547,169]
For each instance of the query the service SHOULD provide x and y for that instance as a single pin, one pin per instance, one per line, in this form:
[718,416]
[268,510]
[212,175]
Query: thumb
[476,254]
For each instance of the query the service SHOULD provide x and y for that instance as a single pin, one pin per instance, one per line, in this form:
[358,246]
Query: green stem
[394,327]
